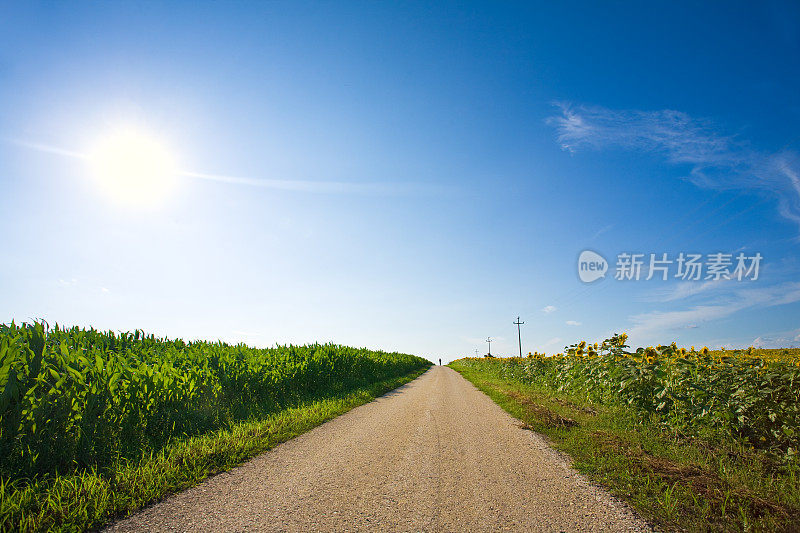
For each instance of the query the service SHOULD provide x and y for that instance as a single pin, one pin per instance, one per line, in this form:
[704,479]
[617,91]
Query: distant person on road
[440,361]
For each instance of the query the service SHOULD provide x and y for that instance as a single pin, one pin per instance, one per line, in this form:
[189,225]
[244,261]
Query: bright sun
[133,167]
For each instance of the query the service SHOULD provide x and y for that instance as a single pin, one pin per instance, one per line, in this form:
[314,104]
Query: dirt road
[434,455]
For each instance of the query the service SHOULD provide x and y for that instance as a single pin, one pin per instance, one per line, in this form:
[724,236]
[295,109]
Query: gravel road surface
[433,455]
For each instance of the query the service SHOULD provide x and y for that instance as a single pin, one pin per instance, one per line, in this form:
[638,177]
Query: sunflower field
[752,395]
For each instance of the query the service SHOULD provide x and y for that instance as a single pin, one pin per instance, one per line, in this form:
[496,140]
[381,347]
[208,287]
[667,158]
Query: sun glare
[133,167]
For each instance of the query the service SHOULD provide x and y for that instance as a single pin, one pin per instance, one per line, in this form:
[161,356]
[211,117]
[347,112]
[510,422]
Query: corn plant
[73,399]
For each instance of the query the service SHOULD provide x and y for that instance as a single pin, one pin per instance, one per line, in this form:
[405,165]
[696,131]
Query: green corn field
[79,399]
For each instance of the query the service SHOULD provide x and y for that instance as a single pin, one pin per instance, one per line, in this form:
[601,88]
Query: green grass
[95,424]
[676,482]
[88,499]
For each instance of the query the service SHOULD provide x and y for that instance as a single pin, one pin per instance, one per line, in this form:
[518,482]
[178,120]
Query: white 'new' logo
[591,266]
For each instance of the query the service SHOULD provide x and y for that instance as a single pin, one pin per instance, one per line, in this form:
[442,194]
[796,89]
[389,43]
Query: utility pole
[476,352]
[519,335]
[489,340]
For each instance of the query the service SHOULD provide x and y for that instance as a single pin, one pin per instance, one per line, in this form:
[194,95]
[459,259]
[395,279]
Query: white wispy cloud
[652,326]
[548,309]
[717,161]
[554,340]
[658,323]
[686,289]
[573,323]
[783,339]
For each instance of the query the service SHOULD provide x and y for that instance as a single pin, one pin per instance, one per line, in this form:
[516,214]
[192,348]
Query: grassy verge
[88,500]
[676,483]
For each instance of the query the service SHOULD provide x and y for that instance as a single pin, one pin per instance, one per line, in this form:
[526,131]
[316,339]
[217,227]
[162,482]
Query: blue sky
[408,176]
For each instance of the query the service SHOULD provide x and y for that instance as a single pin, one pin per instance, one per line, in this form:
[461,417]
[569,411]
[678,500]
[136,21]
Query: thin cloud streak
[321,187]
[604,229]
[40,147]
[721,162]
[324,187]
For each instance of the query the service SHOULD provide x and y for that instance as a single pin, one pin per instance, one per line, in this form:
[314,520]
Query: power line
[519,335]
